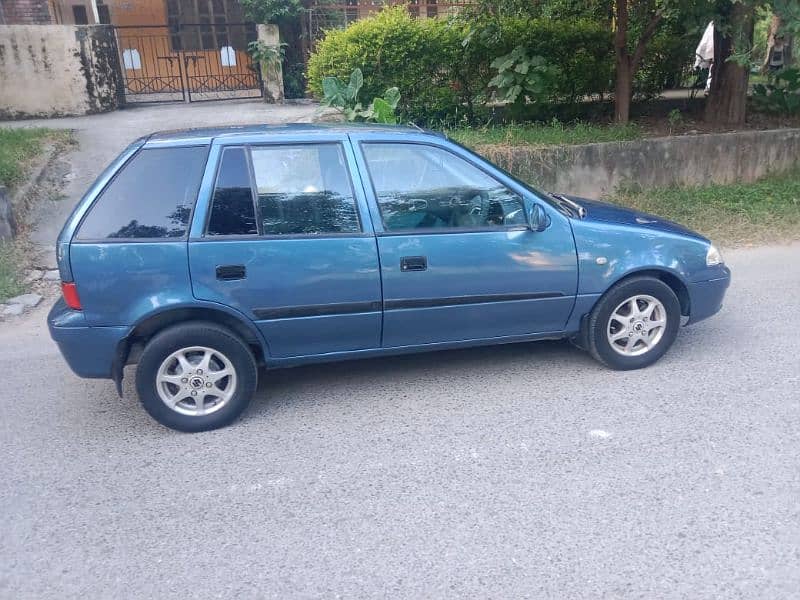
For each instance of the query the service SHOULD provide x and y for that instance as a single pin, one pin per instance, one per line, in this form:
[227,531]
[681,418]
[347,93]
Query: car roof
[204,135]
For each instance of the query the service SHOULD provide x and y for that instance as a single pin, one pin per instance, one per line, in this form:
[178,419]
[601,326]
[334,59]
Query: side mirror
[538,220]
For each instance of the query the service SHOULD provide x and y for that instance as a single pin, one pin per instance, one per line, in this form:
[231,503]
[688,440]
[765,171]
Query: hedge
[439,76]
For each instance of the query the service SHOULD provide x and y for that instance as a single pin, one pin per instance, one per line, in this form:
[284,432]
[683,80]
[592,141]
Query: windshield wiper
[570,204]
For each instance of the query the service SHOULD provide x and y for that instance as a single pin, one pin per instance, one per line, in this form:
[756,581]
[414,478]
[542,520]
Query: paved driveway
[102,137]
[509,472]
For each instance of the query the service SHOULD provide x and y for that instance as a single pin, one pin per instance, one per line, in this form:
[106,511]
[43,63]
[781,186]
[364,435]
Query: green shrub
[781,93]
[392,50]
[442,68]
[667,60]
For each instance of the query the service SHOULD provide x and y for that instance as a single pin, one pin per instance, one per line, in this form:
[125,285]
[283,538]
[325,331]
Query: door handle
[231,272]
[413,263]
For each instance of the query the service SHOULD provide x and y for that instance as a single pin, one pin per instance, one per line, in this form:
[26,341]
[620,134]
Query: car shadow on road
[278,387]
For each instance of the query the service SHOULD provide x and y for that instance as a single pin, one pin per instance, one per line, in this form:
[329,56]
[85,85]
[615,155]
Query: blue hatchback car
[201,255]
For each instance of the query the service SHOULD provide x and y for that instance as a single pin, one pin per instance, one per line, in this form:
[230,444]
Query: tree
[271,11]
[730,72]
[627,60]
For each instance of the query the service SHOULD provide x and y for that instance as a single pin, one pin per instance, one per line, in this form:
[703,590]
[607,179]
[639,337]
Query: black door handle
[413,263]
[231,272]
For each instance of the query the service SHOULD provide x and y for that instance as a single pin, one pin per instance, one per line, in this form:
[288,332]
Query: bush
[781,93]
[392,50]
[442,68]
[667,60]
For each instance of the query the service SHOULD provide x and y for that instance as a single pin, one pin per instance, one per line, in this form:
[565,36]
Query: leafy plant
[675,118]
[781,93]
[520,76]
[266,54]
[344,97]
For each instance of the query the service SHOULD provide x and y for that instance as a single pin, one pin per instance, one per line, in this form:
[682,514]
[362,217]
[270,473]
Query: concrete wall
[596,170]
[25,12]
[54,70]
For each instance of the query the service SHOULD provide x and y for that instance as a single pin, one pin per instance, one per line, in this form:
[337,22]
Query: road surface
[508,472]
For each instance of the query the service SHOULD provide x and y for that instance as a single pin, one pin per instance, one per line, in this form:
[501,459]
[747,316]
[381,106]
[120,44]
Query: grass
[550,134]
[18,147]
[767,210]
[10,284]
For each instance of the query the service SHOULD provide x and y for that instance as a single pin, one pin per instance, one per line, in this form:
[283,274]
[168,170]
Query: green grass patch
[10,284]
[18,146]
[736,214]
[550,134]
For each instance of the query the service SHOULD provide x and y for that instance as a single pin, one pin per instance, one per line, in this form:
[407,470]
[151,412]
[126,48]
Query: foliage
[739,213]
[10,284]
[443,66]
[674,118]
[294,80]
[344,96]
[266,54]
[545,134]
[781,93]
[390,49]
[667,58]
[270,11]
[18,145]
[520,76]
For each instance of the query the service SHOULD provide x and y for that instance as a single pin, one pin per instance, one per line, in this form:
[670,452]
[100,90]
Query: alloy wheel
[196,381]
[636,325]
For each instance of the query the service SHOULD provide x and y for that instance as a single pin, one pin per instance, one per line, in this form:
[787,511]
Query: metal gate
[194,63]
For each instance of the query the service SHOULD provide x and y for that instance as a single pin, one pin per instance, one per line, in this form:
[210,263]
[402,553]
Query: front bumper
[89,351]
[705,297]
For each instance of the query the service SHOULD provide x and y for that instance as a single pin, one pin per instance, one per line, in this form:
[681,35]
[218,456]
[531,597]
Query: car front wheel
[634,323]
[196,377]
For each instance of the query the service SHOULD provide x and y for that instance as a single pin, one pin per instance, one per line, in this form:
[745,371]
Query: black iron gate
[168,63]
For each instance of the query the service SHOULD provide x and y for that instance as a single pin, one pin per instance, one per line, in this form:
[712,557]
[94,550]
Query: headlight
[713,257]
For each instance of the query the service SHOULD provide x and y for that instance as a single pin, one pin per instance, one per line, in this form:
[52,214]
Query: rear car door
[458,259]
[282,235]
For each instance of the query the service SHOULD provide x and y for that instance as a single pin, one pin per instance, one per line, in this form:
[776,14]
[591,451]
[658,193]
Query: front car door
[282,234]
[458,260]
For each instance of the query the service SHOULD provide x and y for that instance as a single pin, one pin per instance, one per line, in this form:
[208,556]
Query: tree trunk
[623,78]
[727,99]
[623,89]
[626,62]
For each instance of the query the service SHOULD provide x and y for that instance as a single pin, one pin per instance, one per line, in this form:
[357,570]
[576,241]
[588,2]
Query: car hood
[605,212]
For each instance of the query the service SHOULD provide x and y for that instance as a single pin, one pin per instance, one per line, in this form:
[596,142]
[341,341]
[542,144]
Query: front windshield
[540,194]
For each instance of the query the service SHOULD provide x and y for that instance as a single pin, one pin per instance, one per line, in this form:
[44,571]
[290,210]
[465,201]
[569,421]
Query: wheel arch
[131,346]
[670,278]
[675,282]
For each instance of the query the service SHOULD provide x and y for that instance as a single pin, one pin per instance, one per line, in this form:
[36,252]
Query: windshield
[543,195]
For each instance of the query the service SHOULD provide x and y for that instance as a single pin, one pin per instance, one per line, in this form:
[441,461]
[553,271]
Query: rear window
[232,209]
[151,197]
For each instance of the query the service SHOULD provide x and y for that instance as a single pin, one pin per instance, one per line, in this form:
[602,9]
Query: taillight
[71,295]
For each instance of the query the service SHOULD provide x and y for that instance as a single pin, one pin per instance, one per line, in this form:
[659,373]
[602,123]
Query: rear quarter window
[152,196]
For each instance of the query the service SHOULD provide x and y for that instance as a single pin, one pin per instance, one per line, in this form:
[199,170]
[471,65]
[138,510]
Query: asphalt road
[508,472]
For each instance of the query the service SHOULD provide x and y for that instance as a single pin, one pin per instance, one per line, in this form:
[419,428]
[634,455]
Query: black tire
[597,324]
[186,335]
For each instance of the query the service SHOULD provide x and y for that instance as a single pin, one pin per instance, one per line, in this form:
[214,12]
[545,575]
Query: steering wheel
[472,209]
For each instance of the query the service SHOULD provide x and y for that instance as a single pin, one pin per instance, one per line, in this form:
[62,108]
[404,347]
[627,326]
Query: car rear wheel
[634,323]
[196,377]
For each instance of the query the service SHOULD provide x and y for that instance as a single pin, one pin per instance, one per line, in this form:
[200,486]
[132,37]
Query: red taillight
[71,296]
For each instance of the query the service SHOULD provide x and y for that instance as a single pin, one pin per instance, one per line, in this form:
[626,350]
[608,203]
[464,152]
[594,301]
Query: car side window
[304,189]
[232,209]
[152,196]
[420,186]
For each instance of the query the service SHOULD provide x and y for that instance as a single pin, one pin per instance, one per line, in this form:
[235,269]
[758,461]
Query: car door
[458,260]
[284,237]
